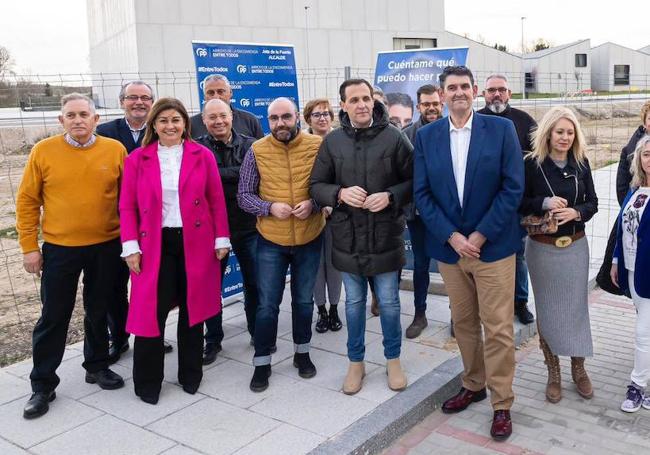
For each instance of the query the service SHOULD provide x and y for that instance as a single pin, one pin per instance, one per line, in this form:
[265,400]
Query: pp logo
[245,102]
[241,69]
[201,52]
[228,270]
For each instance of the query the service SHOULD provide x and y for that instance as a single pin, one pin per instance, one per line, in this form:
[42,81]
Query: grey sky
[50,37]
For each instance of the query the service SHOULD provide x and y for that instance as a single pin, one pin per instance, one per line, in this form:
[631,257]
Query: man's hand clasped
[467,247]
[355,196]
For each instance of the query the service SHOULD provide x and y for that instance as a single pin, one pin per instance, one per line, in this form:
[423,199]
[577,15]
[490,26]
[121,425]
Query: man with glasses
[136,99]
[430,109]
[274,186]
[217,86]
[497,94]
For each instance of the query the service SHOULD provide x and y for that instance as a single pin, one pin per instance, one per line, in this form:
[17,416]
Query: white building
[616,68]
[645,50]
[560,69]
[152,39]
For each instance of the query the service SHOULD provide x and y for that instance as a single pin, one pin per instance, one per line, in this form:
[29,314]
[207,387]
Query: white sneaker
[646,402]
[633,400]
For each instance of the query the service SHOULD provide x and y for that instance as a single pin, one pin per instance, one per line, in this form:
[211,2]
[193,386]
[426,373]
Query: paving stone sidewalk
[572,426]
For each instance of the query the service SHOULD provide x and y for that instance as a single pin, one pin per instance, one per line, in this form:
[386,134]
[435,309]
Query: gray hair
[136,82]
[215,77]
[65,99]
[282,98]
[496,76]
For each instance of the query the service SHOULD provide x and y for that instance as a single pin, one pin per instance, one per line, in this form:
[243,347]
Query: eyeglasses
[284,117]
[136,98]
[317,115]
[427,104]
[493,90]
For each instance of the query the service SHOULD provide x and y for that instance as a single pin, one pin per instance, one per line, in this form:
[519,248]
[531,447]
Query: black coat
[524,124]
[378,158]
[229,159]
[623,174]
[563,182]
[119,130]
[244,122]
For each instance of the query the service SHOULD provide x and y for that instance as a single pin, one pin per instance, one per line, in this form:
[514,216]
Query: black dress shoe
[260,379]
[38,404]
[149,399]
[335,321]
[306,369]
[190,388]
[501,425]
[106,379]
[168,347]
[523,314]
[322,324]
[463,399]
[210,353]
[115,351]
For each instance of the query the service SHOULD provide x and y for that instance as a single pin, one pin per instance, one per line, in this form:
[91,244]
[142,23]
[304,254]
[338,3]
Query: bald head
[217,118]
[283,119]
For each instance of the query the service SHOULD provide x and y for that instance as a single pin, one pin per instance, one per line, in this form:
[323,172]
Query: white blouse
[170,171]
[632,214]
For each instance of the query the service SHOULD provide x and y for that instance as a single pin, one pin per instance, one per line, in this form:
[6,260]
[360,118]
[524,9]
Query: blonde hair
[645,110]
[542,136]
[639,177]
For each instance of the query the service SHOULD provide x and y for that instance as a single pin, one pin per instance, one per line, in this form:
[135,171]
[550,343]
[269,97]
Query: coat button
[196,202]
[143,234]
[197,223]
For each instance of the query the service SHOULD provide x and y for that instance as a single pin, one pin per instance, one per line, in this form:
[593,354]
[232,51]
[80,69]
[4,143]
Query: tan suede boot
[580,377]
[396,377]
[354,379]
[554,384]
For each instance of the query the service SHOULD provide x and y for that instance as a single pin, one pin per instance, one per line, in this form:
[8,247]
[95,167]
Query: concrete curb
[392,419]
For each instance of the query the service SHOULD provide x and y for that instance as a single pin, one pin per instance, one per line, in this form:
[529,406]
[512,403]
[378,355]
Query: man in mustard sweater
[274,186]
[74,178]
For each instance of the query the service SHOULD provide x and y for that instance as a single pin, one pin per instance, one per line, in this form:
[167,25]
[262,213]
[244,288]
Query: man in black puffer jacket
[365,171]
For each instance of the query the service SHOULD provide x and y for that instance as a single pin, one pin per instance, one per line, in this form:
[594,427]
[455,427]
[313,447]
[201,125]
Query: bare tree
[6,63]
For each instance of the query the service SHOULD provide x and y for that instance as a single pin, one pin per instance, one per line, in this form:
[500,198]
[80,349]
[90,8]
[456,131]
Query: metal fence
[29,110]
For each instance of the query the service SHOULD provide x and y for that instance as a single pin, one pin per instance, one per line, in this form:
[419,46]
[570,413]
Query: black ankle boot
[306,369]
[335,322]
[322,324]
[260,380]
[523,314]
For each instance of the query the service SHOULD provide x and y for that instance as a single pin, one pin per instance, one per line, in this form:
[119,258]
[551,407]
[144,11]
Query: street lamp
[523,54]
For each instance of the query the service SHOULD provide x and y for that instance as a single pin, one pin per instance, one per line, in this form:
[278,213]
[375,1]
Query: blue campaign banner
[258,73]
[406,71]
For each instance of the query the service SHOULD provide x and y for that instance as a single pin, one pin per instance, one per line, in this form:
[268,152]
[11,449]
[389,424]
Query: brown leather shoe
[554,383]
[580,377]
[417,326]
[501,425]
[463,399]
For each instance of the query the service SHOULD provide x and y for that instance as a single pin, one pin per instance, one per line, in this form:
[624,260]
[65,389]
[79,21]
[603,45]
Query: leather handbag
[541,224]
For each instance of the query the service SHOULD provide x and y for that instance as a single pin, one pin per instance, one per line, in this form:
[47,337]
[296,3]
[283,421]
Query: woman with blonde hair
[631,269]
[559,181]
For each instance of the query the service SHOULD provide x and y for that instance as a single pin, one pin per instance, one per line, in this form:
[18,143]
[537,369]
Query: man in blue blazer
[468,182]
[136,98]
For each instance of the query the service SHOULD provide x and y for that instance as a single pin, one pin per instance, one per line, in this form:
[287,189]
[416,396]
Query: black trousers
[62,266]
[149,353]
[118,307]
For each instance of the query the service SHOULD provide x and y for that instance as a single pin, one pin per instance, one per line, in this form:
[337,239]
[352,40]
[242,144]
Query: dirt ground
[607,128]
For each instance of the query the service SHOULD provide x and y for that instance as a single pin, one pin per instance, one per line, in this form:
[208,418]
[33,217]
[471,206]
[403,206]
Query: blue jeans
[245,247]
[273,262]
[521,274]
[387,291]
[421,263]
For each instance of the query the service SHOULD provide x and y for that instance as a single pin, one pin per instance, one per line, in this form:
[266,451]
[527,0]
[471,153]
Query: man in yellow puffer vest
[274,186]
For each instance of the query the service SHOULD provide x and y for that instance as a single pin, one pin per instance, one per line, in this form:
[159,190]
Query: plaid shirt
[76,144]
[249,185]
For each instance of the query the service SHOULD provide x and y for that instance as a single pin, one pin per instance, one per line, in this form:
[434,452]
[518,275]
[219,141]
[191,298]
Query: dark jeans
[245,248]
[62,266]
[521,274]
[273,262]
[421,263]
[118,307]
[149,352]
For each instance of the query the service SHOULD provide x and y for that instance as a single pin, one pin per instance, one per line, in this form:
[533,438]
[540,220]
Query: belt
[560,242]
